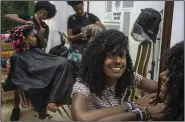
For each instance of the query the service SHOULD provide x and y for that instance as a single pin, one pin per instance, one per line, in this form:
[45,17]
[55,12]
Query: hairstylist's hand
[91,26]
[41,32]
[164,78]
[29,22]
[164,81]
[157,111]
[83,35]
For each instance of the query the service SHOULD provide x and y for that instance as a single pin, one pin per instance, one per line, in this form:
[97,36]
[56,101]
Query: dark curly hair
[175,85]
[46,5]
[91,71]
[73,3]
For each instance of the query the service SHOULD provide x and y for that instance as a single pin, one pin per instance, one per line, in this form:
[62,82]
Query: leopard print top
[108,95]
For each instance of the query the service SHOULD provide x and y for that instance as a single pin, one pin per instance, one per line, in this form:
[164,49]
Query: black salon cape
[44,78]
[61,50]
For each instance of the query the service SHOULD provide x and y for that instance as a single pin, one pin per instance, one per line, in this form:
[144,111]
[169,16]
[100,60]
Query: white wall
[59,22]
[138,5]
[98,8]
[177,33]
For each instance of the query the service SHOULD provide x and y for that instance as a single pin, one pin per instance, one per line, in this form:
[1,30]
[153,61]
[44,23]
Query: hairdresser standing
[43,10]
[77,22]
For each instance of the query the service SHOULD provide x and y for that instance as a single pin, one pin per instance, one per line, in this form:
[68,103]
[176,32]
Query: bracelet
[149,116]
[134,104]
[127,106]
[138,113]
[144,114]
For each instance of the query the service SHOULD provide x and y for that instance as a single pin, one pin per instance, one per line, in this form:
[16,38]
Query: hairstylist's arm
[72,37]
[16,18]
[100,24]
[80,109]
[96,21]
[150,86]
[43,40]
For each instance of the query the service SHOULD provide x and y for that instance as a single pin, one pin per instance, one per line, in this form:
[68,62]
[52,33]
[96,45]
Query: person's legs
[52,107]
[16,110]
[60,88]
[42,115]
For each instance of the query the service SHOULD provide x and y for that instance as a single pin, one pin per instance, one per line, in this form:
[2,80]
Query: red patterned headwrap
[17,36]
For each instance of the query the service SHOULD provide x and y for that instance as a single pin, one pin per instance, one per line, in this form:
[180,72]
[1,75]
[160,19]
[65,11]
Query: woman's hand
[41,32]
[157,112]
[145,101]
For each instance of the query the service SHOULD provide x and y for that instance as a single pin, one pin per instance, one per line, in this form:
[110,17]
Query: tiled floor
[27,114]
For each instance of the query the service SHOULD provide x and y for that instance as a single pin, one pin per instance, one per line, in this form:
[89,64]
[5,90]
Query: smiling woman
[112,69]
[106,76]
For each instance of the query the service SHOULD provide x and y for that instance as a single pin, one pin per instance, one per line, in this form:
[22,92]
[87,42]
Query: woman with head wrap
[46,79]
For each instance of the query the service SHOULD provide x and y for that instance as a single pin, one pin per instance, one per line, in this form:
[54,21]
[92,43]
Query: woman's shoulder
[78,82]
[137,78]
[90,14]
[80,87]
[71,16]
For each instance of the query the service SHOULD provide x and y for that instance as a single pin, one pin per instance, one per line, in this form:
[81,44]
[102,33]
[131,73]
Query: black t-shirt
[36,26]
[77,22]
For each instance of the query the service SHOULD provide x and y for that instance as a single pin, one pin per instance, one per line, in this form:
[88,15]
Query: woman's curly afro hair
[91,71]
[46,5]
[73,3]
[175,85]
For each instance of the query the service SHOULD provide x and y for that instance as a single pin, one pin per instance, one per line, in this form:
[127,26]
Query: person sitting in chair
[105,79]
[43,10]
[174,100]
[46,79]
